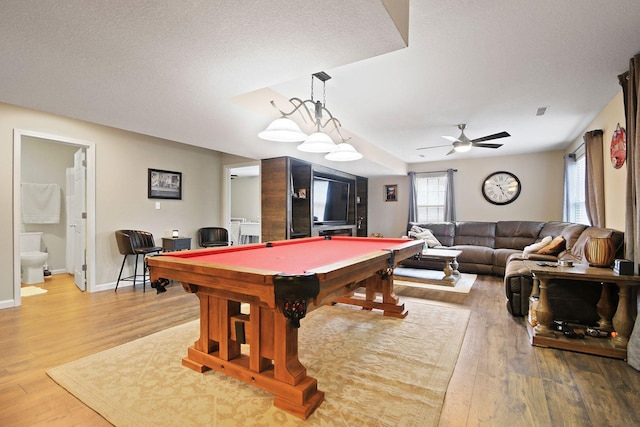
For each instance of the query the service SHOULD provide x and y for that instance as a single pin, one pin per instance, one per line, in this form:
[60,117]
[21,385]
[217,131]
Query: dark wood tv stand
[287,211]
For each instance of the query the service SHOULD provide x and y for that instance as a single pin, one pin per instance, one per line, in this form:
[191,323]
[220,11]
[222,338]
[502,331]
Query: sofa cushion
[556,246]
[425,234]
[501,257]
[472,254]
[516,234]
[475,233]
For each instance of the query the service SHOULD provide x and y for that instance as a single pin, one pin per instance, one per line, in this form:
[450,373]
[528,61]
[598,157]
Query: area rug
[417,277]
[374,370]
[28,291]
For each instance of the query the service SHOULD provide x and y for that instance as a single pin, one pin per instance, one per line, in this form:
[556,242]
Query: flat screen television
[330,201]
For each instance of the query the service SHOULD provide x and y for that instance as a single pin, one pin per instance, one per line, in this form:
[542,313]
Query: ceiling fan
[462,143]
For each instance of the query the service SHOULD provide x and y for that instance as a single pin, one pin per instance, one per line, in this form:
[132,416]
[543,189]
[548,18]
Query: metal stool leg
[120,274]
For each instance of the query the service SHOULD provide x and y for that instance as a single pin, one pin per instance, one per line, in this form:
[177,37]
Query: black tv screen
[330,201]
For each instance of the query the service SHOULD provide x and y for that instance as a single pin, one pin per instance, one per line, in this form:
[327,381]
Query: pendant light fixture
[284,129]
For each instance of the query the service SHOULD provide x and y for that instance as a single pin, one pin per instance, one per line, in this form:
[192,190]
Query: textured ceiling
[203,73]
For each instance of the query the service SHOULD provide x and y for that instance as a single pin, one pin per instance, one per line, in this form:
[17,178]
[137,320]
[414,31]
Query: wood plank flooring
[499,380]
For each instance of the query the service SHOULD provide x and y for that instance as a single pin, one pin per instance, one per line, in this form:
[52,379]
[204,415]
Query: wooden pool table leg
[377,284]
[295,392]
[271,338]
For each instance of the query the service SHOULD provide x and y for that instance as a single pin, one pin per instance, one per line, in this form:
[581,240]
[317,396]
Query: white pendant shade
[343,153]
[283,130]
[317,142]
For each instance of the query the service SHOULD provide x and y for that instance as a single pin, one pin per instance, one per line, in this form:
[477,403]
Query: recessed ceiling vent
[541,111]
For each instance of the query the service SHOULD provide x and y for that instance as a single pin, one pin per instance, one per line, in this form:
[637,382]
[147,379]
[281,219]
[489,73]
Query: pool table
[257,294]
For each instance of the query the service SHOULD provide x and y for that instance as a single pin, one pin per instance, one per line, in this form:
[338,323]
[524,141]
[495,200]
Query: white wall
[541,176]
[245,199]
[122,159]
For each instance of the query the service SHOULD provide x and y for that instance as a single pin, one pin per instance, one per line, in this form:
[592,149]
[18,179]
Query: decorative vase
[599,251]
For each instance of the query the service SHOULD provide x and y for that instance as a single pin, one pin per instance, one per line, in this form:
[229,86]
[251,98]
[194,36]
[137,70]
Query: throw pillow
[424,234]
[556,246]
[535,247]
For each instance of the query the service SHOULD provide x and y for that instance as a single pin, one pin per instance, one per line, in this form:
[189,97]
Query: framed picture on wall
[164,184]
[391,193]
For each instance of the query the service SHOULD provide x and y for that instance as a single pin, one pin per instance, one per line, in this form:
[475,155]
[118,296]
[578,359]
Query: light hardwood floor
[499,380]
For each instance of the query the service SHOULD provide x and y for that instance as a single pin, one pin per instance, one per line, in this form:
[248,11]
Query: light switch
[157,205]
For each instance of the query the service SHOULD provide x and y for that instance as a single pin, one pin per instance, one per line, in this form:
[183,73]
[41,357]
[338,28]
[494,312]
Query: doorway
[84,239]
[242,202]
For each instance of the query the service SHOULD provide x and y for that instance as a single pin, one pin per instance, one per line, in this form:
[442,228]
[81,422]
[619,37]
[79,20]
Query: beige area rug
[374,370]
[420,278]
[28,291]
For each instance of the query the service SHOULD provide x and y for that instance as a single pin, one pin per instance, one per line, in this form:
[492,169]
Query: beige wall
[122,160]
[541,176]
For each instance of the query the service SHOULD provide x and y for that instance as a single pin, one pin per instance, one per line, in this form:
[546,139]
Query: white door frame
[17,211]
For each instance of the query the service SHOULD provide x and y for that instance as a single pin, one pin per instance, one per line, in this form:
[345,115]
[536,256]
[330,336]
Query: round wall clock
[618,151]
[501,188]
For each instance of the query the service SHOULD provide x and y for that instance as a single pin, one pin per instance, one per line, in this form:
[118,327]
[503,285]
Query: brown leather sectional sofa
[497,248]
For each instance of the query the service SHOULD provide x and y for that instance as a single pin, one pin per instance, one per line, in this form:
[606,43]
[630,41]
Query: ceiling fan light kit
[286,130]
[462,144]
[462,147]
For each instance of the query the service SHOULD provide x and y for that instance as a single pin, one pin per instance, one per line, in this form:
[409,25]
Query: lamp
[283,130]
[286,130]
[344,152]
[317,142]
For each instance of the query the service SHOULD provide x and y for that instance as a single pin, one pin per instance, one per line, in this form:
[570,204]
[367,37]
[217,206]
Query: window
[431,195]
[576,201]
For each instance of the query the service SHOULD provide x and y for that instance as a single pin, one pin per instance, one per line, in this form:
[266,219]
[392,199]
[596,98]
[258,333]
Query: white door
[79,219]
[71,227]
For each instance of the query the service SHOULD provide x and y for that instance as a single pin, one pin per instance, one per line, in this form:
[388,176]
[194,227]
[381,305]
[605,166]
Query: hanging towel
[40,203]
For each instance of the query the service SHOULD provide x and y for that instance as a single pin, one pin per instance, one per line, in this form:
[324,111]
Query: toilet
[31,258]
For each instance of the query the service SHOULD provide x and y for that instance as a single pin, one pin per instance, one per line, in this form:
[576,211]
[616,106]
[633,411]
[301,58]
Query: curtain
[413,198]
[567,205]
[630,82]
[594,177]
[449,202]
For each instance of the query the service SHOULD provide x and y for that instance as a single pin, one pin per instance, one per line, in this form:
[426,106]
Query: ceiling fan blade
[452,151]
[490,137]
[479,144]
[435,146]
[450,138]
